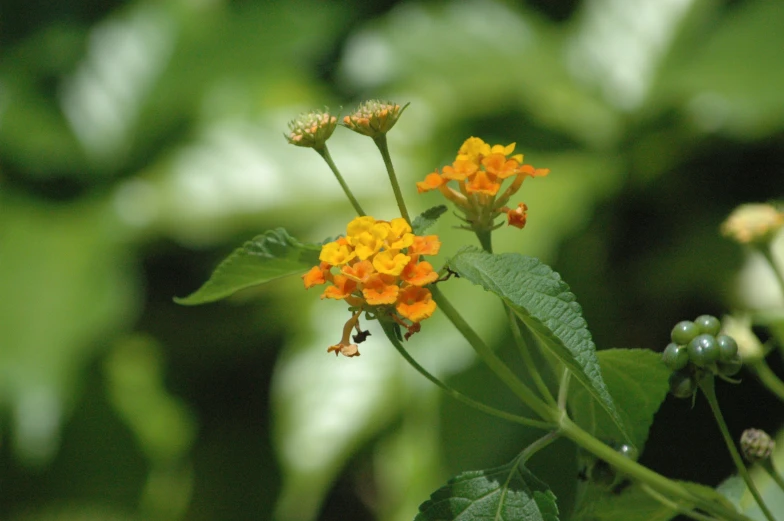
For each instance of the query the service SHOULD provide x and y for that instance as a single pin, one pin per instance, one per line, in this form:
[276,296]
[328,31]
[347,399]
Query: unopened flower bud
[753,223]
[374,118]
[756,445]
[311,129]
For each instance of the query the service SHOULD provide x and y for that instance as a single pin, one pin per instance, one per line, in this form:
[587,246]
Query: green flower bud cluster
[696,349]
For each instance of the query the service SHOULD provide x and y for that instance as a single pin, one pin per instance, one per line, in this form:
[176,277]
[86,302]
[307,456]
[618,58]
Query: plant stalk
[324,153]
[707,385]
[383,147]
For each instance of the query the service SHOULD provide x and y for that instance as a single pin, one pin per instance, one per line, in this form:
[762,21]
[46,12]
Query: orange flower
[415,303]
[359,272]
[376,269]
[431,182]
[480,170]
[418,273]
[425,245]
[314,277]
[342,287]
[380,289]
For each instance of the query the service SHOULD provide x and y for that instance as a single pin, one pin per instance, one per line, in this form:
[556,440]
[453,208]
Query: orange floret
[343,287]
[483,184]
[380,289]
[419,273]
[314,277]
[431,182]
[359,272]
[425,245]
[415,303]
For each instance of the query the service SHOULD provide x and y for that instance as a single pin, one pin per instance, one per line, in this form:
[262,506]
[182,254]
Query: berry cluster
[696,349]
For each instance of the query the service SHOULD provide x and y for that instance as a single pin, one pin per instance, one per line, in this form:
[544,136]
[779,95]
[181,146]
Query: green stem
[528,360]
[768,378]
[643,474]
[707,385]
[381,143]
[324,153]
[538,445]
[457,394]
[675,506]
[771,470]
[544,410]
[485,240]
[767,252]
[563,389]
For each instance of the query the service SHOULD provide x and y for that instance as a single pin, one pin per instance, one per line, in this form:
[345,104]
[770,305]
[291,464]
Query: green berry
[675,357]
[730,367]
[728,348]
[684,332]
[682,384]
[708,324]
[703,350]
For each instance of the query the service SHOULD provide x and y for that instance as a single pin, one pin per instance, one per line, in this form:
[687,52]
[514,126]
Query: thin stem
[457,394]
[537,445]
[707,385]
[544,410]
[768,378]
[324,153]
[675,506]
[381,143]
[643,474]
[525,354]
[771,470]
[563,389]
[767,252]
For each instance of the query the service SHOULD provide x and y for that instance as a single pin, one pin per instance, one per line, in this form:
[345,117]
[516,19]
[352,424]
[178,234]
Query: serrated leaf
[637,381]
[427,219]
[506,493]
[544,303]
[266,257]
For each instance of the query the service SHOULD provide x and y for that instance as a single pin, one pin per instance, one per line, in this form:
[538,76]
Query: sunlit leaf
[544,303]
[506,493]
[266,257]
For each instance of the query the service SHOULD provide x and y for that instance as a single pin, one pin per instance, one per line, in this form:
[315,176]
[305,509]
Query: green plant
[603,402]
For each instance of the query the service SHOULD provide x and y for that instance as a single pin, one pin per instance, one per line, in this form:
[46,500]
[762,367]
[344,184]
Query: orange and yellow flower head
[377,267]
[480,171]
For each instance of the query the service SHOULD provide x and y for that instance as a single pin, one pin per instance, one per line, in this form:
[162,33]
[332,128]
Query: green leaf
[509,492]
[632,503]
[427,219]
[266,257]
[546,306]
[637,381]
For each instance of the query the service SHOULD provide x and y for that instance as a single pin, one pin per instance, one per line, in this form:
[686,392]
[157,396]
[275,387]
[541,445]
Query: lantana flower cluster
[377,267]
[479,171]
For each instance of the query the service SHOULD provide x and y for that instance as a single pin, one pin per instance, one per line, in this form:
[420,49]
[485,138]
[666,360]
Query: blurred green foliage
[140,143]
